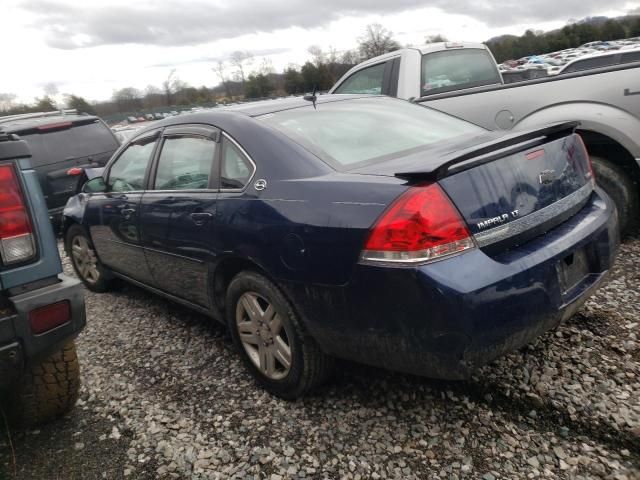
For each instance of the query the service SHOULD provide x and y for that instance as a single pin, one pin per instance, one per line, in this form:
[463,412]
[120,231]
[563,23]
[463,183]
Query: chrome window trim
[247,156]
[521,225]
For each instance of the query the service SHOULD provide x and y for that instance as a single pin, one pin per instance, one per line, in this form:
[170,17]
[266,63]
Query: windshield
[354,133]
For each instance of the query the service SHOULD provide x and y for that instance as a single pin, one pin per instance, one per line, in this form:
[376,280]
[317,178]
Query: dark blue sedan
[361,228]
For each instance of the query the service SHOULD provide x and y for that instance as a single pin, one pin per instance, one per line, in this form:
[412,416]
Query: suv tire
[48,389]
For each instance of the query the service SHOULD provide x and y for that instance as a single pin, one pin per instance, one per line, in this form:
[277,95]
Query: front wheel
[86,263]
[271,339]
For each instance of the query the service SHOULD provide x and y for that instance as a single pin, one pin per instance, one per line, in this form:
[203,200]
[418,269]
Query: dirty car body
[403,237]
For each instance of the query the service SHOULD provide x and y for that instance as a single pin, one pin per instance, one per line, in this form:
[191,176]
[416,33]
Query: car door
[113,216]
[178,212]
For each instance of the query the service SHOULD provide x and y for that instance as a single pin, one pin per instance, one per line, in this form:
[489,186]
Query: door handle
[200,218]
[127,212]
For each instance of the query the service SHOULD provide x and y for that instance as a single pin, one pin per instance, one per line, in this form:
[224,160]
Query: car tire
[95,276]
[622,190]
[48,389]
[264,348]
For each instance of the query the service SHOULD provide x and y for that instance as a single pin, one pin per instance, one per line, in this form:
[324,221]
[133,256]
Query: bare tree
[220,69]
[7,101]
[435,38]
[241,59]
[375,41]
[266,67]
[167,85]
[317,55]
[50,89]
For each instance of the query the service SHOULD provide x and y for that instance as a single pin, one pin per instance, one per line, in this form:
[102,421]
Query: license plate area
[573,268]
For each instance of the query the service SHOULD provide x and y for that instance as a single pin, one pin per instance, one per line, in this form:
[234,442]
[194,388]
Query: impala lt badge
[546,177]
[490,222]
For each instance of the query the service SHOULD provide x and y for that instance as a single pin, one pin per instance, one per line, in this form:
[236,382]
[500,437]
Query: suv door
[178,210]
[113,216]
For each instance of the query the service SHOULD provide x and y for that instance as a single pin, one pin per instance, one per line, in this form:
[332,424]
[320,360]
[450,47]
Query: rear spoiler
[489,151]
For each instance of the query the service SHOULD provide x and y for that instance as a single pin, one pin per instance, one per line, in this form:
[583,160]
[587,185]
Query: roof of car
[250,109]
[263,107]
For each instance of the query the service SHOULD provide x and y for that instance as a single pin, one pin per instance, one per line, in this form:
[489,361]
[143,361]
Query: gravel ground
[165,396]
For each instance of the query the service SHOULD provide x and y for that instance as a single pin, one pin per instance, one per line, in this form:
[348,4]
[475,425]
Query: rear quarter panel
[307,230]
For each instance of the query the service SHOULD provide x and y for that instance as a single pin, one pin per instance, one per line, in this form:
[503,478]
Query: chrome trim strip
[534,219]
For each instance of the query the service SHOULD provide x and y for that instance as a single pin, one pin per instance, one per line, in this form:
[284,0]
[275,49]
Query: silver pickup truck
[463,79]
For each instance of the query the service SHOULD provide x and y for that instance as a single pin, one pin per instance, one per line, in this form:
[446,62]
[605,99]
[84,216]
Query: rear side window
[630,57]
[457,69]
[235,169]
[77,141]
[185,163]
[589,63]
[366,81]
[128,172]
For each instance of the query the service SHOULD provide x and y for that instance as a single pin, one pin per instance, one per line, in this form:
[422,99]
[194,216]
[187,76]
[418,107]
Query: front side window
[185,163]
[128,172]
[367,81]
[235,168]
[359,132]
[450,70]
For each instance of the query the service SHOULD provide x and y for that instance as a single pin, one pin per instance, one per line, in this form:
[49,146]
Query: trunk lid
[508,189]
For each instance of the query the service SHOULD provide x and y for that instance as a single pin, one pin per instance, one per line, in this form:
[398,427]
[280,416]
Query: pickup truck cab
[41,310]
[463,79]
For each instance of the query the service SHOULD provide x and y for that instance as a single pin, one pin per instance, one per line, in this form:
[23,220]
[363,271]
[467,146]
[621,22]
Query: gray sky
[91,47]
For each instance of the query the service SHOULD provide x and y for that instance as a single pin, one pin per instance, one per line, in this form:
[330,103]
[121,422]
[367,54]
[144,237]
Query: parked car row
[584,57]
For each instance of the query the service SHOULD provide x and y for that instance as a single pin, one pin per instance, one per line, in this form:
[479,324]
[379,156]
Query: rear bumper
[446,318]
[18,345]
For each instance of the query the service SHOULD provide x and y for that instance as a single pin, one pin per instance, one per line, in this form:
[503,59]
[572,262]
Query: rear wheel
[85,262]
[271,340]
[48,389]
[622,190]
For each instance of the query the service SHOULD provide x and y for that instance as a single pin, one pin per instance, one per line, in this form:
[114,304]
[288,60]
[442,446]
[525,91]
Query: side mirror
[95,185]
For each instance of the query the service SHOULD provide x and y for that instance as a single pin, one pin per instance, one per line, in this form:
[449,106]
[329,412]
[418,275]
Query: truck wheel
[622,190]
[87,265]
[48,389]
[278,353]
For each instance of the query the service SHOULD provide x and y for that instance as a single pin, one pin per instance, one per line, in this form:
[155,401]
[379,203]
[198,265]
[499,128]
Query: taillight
[74,171]
[592,174]
[421,225]
[16,239]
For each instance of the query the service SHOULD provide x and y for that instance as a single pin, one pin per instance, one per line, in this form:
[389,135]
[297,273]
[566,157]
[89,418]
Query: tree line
[574,34]
[239,77]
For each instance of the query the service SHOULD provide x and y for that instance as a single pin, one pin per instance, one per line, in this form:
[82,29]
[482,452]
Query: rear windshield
[355,133]
[450,70]
[75,142]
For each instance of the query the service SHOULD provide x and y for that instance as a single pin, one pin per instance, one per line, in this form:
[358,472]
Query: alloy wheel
[84,259]
[263,335]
